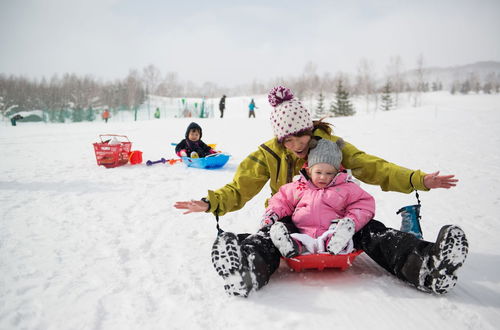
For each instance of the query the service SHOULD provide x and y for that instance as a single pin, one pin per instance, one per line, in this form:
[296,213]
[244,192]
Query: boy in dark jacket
[192,146]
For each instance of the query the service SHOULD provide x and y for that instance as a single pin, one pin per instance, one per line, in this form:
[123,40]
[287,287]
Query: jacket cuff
[213,204]
[417,180]
[204,199]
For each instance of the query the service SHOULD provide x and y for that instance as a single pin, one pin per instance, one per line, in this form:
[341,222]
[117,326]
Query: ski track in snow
[84,247]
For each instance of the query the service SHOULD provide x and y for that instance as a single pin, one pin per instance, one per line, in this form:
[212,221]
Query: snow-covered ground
[85,247]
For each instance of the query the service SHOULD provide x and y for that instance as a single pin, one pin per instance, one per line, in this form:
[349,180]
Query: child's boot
[194,154]
[410,222]
[283,241]
[227,259]
[343,230]
[435,271]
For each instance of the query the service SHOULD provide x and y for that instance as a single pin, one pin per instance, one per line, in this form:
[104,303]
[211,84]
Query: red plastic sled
[322,261]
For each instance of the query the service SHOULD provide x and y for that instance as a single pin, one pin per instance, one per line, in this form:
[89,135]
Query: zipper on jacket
[278,160]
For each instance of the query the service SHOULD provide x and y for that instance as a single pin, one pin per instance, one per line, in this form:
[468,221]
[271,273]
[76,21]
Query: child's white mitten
[343,230]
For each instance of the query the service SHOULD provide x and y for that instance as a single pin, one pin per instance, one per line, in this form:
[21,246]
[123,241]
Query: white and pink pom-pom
[279,94]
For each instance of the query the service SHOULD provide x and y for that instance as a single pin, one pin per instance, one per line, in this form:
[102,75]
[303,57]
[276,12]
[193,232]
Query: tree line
[79,98]
[68,97]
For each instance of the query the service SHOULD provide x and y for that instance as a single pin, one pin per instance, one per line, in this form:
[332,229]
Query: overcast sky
[232,42]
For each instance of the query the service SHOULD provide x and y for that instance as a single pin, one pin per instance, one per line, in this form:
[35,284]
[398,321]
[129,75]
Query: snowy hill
[448,75]
[85,247]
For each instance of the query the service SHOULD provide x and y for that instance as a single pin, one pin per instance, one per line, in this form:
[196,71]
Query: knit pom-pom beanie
[289,116]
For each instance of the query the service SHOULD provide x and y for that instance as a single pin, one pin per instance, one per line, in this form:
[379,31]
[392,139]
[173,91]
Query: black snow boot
[230,264]
[245,262]
[434,270]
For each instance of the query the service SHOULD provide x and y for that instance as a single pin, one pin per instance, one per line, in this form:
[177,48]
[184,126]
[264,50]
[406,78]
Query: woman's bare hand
[192,206]
[434,180]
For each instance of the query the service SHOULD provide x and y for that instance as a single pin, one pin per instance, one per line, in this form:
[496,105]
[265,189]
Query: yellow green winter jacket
[273,162]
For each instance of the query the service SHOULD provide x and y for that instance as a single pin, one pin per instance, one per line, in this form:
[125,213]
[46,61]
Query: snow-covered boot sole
[446,256]
[342,233]
[227,261]
[283,241]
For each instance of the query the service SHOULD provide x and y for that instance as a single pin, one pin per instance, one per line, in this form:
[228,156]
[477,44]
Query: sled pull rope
[419,216]
[219,230]
[416,192]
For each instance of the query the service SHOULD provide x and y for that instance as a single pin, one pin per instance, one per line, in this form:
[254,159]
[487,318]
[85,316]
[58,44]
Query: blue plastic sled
[209,162]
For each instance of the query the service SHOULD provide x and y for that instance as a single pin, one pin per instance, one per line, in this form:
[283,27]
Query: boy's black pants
[397,252]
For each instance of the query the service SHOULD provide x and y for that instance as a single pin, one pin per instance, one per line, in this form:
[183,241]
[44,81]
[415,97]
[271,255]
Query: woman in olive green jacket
[246,261]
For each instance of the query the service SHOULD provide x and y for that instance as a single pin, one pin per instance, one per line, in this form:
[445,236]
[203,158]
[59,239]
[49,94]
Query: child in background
[251,109]
[106,115]
[192,146]
[322,210]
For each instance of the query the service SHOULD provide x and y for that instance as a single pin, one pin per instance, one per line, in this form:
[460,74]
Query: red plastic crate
[112,155]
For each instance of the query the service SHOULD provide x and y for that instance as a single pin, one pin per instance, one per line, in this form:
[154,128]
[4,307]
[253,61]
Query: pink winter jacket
[312,208]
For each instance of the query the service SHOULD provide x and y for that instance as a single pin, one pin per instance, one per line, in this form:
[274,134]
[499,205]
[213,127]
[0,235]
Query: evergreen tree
[320,109]
[77,115]
[455,87]
[341,106]
[465,88]
[487,88]
[387,102]
[61,116]
[477,87]
[90,115]
[426,87]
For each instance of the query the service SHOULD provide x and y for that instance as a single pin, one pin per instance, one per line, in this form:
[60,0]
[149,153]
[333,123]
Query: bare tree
[258,88]
[151,76]
[134,92]
[311,82]
[491,83]
[209,89]
[419,83]
[394,75]
[9,98]
[170,86]
[365,81]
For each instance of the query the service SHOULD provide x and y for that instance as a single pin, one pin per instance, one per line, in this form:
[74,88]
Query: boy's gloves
[343,230]
[268,219]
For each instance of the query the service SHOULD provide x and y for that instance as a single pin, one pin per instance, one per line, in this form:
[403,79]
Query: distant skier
[157,113]
[251,109]
[222,105]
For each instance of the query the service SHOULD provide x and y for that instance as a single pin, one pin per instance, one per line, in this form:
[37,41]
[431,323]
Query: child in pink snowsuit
[325,205]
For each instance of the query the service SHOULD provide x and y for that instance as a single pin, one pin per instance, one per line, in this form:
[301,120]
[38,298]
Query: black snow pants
[399,253]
